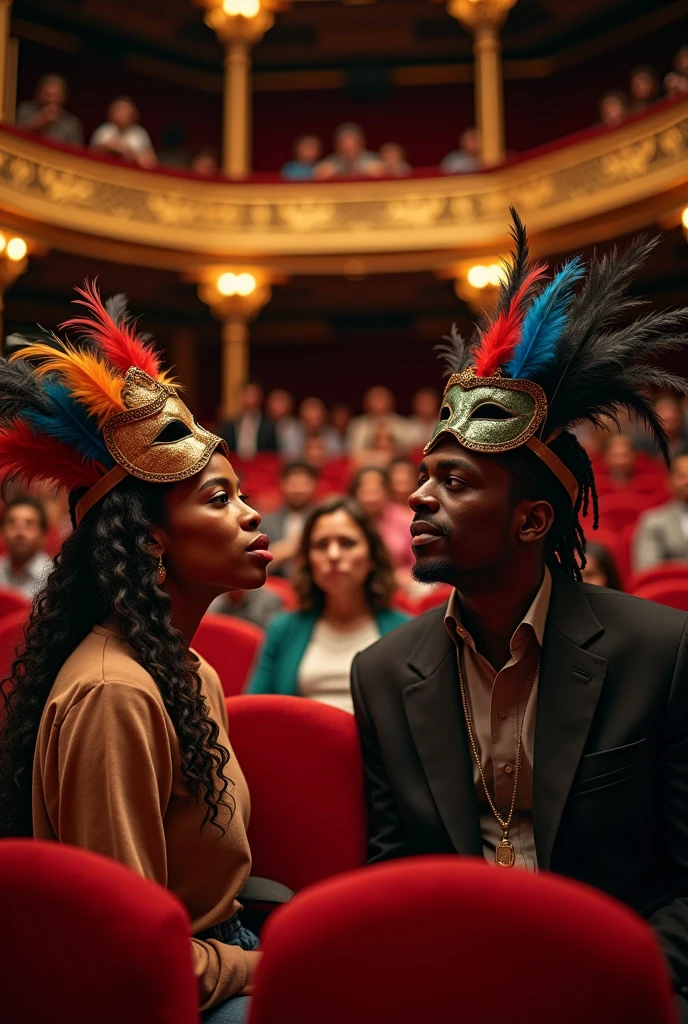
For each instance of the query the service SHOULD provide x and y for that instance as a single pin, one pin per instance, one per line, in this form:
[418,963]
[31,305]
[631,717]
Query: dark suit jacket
[610,785]
[266,440]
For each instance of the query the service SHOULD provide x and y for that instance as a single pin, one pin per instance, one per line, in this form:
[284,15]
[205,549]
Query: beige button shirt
[499,706]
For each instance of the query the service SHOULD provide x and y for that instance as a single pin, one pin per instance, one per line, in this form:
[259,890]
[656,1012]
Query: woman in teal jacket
[345,582]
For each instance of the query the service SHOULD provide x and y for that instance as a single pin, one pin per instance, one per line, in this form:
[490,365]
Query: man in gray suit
[662,534]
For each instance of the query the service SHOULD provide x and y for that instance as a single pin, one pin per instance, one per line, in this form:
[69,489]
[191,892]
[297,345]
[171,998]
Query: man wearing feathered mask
[536,720]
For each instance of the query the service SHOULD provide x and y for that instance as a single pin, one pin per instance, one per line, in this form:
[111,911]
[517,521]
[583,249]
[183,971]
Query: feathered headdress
[556,354]
[85,413]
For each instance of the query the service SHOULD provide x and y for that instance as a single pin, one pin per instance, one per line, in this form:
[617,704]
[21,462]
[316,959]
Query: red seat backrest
[279,585]
[672,592]
[231,646]
[303,766]
[675,570]
[619,510]
[11,637]
[343,951]
[11,601]
[119,945]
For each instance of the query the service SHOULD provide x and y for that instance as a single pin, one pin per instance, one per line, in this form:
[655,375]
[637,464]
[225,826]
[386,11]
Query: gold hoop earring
[162,572]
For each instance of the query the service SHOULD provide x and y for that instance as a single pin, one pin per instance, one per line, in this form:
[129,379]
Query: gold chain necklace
[505,856]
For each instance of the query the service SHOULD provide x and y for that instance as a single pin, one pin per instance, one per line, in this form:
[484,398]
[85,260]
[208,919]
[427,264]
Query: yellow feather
[89,379]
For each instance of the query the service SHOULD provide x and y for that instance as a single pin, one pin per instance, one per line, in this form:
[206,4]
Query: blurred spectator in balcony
[350,159]
[122,136]
[45,114]
[620,458]
[378,410]
[313,421]
[252,431]
[340,418]
[256,606]
[370,487]
[307,153]
[600,567]
[676,82]
[25,566]
[380,449]
[467,157]
[279,407]
[662,533]
[426,408]
[402,475]
[205,163]
[284,527]
[393,160]
[613,109]
[644,87]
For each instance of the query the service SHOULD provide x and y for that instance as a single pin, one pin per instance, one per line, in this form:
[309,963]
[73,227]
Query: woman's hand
[252,960]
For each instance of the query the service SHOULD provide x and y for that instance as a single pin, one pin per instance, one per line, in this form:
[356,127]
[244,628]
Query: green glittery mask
[490,414]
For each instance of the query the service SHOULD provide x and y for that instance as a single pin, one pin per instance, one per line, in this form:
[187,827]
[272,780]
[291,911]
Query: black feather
[455,352]
[117,307]
[20,389]
[518,267]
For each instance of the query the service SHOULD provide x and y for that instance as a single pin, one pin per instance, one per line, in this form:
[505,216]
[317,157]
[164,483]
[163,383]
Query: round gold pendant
[505,856]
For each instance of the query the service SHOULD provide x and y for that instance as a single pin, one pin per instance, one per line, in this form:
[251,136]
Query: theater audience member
[600,567]
[257,606]
[307,153]
[314,423]
[644,87]
[345,583]
[425,405]
[370,488]
[467,157]
[613,109]
[662,533]
[676,82]
[45,114]
[402,475]
[122,136]
[350,158]
[340,418]
[279,408]
[315,452]
[205,163]
[620,458]
[25,566]
[393,160]
[380,451]
[378,410]
[670,411]
[284,527]
[252,431]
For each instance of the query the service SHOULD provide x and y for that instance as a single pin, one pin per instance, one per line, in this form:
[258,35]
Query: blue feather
[544,323]
[70,423]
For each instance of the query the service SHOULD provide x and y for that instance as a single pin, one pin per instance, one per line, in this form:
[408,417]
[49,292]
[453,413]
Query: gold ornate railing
[575,194]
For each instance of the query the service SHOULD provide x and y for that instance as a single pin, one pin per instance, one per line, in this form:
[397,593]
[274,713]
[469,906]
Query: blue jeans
[234,1010]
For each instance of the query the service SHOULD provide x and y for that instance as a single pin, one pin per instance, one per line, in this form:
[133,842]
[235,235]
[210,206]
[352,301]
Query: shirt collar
[535,618]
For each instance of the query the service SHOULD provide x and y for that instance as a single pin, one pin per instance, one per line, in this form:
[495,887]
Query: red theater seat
[11,637]
[446,939]
[230,645]
[11,601]
[83,939]
[303,766]
[617,511]
[659,573]
[672,591]
[284,589]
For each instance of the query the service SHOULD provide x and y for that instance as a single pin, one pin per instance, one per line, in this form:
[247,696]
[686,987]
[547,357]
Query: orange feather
[92,383]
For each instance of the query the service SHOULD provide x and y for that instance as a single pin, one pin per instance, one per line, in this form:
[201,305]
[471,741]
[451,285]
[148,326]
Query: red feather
[30,458]
[498,342]
[119,342]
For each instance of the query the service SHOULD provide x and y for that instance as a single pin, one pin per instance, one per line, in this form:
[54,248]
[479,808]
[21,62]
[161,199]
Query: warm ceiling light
[227,284]
[245,284]
[495,273]
[246,8]
[17,249]
[479,276]
[684,218]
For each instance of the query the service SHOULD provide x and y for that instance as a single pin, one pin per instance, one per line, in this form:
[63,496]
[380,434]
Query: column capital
[240,21]
[477,14]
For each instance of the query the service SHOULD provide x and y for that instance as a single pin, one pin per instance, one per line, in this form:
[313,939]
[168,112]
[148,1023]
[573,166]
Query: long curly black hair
[106,573]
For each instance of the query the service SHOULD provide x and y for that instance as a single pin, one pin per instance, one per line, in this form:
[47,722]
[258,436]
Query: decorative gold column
[13,263]
[239,25]
[5,60]
[483,19]
[235,295]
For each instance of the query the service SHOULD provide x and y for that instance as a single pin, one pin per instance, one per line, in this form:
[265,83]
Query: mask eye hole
[445,413]
[174,431]
[492,411]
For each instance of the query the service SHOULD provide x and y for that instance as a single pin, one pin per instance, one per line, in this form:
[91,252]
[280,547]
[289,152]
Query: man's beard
[434,570]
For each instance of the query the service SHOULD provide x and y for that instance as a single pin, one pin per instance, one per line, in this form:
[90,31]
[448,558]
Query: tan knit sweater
[107,778]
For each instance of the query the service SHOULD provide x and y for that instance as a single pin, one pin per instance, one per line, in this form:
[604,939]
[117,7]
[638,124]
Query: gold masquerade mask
[156,438]
[497,414]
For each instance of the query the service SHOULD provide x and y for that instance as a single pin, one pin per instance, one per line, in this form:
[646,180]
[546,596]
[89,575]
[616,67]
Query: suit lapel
[568,690]
[435,716]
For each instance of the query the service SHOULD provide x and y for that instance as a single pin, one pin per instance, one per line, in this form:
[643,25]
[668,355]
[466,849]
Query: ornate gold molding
[580,193]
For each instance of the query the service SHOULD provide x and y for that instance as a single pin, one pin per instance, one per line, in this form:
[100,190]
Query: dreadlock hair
[106,574]
[532,480]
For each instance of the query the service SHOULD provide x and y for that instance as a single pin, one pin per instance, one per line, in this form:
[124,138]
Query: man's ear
[537,520]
